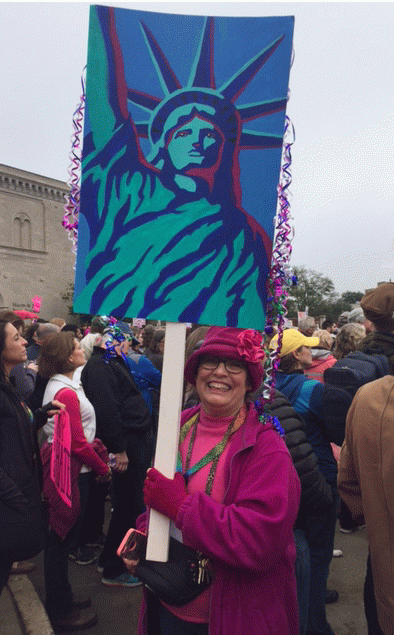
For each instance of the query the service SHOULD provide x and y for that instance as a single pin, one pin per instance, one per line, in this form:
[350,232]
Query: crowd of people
[260,483]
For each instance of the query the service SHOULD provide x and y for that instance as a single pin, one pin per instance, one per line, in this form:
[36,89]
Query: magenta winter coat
[249,537]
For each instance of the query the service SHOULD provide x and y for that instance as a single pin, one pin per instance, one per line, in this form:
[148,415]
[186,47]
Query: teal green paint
[184,248]
[100,113]
[189,143]
[155,64]
[99,174]
[197,58]
[145,244]
[236,274]
[262,134]
[160,198]
[133,188]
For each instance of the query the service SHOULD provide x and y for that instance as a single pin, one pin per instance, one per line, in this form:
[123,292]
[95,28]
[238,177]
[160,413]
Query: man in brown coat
[365,483]
[378,307]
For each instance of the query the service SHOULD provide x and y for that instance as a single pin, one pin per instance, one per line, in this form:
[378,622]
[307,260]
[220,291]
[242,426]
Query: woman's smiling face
[222,393]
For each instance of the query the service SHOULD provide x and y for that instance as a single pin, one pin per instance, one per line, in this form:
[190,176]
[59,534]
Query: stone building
[36,255]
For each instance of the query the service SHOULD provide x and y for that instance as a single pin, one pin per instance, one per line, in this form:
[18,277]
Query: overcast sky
[342,95]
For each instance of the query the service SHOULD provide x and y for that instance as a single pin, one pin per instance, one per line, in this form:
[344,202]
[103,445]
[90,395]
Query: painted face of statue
[195,143]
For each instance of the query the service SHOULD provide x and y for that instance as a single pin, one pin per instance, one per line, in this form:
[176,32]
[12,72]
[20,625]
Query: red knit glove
[164,494]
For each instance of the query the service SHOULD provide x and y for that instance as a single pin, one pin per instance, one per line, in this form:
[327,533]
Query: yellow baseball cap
[291,340]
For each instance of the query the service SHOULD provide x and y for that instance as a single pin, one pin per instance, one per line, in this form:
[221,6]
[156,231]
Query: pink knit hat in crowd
[231,343]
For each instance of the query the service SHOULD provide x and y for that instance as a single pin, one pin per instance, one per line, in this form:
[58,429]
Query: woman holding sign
[234,498]
[61,355]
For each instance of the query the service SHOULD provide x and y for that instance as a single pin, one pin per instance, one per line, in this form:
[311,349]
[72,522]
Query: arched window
[26,234]
[17,232]
[22,231]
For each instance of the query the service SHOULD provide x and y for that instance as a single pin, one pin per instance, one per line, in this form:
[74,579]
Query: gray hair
[307,323]
[89,341]
[343,318]
[46,329]
[356,316]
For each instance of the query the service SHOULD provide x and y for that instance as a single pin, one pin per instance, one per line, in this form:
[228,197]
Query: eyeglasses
[232,366]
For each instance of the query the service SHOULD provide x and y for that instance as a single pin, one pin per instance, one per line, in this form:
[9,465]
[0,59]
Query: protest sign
[182,148]
[60,470]
[181,159]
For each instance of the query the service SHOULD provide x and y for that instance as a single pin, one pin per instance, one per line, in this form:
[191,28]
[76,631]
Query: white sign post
[168,432]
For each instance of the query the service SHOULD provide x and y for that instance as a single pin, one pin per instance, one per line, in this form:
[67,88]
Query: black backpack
[341,383]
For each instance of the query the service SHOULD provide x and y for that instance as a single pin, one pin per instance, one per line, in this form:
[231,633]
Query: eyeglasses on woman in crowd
[231,365]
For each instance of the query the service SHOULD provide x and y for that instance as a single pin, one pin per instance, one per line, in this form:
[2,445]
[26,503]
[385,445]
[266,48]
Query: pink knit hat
[231,343]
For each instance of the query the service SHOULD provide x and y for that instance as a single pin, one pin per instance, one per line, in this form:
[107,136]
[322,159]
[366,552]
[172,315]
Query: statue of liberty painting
[163,233]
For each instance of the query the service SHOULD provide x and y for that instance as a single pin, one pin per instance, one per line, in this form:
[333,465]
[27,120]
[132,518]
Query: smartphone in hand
[133,545]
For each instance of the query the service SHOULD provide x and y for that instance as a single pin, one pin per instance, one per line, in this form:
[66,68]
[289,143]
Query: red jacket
[319,365]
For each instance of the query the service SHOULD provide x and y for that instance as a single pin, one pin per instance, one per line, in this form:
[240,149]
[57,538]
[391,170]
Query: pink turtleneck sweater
[210,432]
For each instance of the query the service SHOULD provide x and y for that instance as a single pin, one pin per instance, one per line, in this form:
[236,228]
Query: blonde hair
[325,339]
[348,339]
[58,322]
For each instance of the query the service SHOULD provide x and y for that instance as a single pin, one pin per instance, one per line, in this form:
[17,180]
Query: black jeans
[303,577]
[320,533]
[171,625]
[58,591]
[345,517]
[5,570]
[93,519]
[128,503]
[371,613]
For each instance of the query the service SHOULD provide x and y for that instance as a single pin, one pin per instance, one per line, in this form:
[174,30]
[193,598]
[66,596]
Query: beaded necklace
[213,455]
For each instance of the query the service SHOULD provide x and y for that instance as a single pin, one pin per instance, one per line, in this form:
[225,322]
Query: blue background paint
[236,42]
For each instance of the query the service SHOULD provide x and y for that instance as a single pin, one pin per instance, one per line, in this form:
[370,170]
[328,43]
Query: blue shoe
[122,580]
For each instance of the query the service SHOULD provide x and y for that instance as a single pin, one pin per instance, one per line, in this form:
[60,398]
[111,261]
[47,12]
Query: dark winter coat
[22,526]
[119,406]
[306,397]
[24,380]
[316,493]
[377,343]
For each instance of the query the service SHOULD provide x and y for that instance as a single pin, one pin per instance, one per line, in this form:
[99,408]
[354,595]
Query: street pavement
[347,576]
[118,608]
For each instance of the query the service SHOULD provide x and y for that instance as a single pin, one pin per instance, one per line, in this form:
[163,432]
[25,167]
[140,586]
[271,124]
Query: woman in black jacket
[122,422]
[316,493]
[22,526]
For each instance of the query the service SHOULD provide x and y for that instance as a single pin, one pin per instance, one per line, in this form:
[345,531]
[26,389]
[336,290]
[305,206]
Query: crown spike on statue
[166,75]
[202,73]
[202,76]
[237,84]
